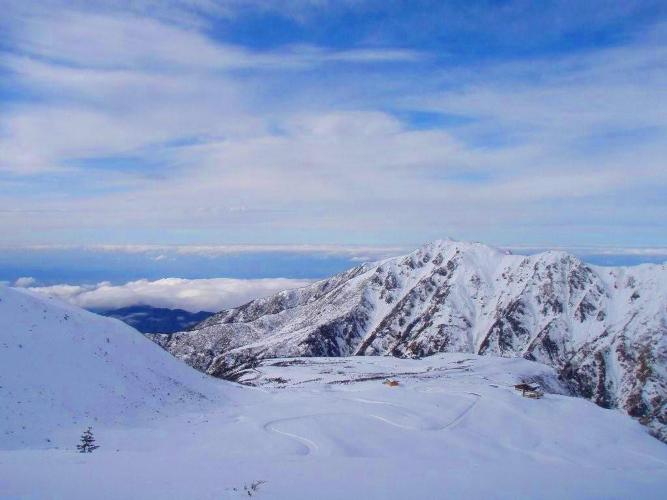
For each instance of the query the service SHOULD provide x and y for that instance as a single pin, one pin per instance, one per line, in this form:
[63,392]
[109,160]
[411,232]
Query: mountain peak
[456,296]
[449,245]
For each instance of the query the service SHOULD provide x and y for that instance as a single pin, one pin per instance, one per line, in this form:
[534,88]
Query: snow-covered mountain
[63,369]
[604,329]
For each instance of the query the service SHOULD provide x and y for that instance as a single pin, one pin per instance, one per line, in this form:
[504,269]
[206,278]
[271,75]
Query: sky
[316,124]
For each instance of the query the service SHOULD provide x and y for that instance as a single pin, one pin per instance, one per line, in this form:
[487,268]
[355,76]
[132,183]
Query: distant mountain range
[604,329]
[149,319]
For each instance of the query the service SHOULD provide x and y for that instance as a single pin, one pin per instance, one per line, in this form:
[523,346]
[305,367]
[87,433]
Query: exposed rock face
[604,329]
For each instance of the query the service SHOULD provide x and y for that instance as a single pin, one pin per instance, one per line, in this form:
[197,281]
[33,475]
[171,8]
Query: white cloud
[25,282]
[174,293]
[263,146]
[138,83]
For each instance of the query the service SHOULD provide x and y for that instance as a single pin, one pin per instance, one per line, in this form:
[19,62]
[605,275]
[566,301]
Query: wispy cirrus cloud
[117,85]
[130,125]
[126,42]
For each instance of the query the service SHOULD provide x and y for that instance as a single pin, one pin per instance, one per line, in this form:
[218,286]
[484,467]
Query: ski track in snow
[462,415]
[383,418]
[417,416]
[308,445]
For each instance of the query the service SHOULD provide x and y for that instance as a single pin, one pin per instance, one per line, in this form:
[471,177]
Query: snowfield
[300,428]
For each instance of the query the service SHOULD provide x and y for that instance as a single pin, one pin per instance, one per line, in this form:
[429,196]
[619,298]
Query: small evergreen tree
[87,442]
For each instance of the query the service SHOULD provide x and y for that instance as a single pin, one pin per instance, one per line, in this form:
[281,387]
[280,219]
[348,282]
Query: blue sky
[333,123]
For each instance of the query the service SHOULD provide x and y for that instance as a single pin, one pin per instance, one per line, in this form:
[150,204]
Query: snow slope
[323,428]
[603,329]
[63,368]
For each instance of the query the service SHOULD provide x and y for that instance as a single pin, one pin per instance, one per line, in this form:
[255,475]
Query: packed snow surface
[301,428]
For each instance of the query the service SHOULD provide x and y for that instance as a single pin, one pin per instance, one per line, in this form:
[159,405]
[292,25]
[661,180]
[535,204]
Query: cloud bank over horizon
[192,295]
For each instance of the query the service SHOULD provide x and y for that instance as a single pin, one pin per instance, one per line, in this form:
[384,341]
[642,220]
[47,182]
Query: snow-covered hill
[328,428]
[63,368]
[603,329]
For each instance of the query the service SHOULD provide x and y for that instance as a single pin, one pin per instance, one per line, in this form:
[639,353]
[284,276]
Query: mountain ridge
[604,329]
